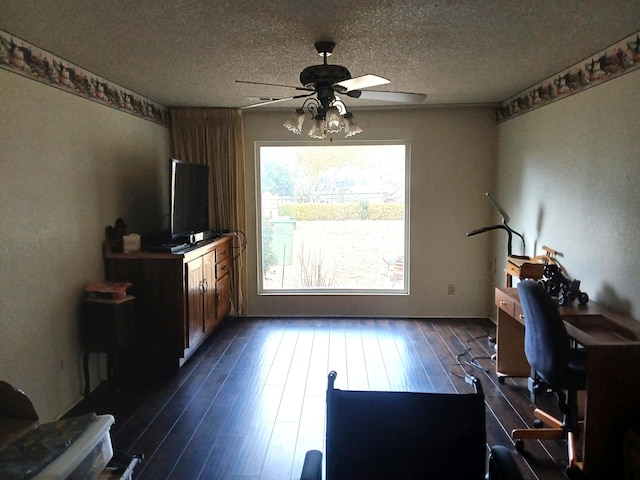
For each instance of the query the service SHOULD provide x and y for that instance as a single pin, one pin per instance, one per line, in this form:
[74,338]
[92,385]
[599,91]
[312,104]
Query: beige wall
[452,164]
[569,176]
[69,167]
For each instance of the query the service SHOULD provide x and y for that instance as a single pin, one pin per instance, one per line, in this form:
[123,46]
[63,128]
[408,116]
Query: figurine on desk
[559,286]
[547,271]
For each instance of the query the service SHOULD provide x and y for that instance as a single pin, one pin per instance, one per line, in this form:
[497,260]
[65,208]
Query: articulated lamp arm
[503,226]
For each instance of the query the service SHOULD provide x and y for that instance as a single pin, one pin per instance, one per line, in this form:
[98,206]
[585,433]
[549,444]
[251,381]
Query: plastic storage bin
[86,457]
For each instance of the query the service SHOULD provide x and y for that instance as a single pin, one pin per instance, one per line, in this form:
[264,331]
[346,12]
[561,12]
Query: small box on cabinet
[131,243]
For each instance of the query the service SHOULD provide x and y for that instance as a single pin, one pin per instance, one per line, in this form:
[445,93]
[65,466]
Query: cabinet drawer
[506,303]
[509,305]
[222,268]
[517,313]
[222,252]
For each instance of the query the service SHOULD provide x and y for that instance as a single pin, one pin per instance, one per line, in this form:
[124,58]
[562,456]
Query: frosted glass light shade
[333,120]
[351,128]
[317,128]
[295,121]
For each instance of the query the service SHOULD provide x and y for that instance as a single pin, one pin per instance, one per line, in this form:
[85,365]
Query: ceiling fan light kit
[327,112]
[329,121]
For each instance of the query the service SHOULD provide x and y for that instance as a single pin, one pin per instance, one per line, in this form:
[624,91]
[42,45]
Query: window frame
[262,291]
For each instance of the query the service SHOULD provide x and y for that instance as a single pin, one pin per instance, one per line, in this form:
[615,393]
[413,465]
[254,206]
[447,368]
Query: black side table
[108,327]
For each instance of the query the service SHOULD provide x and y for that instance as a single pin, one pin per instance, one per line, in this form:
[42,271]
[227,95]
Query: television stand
[181,297]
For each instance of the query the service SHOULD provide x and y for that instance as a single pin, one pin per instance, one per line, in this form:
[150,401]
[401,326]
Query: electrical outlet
[452,289]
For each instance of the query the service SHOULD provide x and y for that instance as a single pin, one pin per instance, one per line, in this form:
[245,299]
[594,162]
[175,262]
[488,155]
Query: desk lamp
[503,226]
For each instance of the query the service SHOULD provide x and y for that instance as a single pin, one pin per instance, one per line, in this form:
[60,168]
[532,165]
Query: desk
[613,372]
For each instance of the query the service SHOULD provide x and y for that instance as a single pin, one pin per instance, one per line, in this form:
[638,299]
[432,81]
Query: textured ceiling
[190,52]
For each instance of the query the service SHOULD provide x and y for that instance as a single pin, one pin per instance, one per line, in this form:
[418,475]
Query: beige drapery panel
[214,136]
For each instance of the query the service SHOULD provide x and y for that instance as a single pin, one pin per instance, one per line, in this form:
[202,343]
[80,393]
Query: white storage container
[86,457]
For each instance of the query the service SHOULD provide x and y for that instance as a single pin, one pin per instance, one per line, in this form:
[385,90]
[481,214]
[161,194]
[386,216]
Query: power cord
[241,238]
[474,360]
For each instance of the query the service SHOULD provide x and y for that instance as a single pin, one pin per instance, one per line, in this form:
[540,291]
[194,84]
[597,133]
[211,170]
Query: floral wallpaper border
[19,56]
[618,59]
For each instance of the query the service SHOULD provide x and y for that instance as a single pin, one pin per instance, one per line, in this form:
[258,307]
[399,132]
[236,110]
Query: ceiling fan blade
[398,97]
[275,85]
[364,81]
[278,100]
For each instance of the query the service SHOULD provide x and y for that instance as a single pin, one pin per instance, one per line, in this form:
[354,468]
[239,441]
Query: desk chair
[407,435]
[562,368]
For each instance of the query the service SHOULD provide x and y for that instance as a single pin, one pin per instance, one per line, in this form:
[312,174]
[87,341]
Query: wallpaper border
[620,58]
[21,57]
[37,64]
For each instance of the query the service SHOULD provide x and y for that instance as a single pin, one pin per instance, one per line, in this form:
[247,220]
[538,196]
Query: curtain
[214,137]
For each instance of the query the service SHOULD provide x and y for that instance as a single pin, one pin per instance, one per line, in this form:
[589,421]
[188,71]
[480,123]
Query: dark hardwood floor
[251,401]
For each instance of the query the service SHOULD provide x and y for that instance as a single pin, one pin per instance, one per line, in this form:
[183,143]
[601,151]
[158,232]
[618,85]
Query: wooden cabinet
[181,297]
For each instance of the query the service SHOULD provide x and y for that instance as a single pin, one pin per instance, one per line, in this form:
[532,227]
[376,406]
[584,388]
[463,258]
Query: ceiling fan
[327,80]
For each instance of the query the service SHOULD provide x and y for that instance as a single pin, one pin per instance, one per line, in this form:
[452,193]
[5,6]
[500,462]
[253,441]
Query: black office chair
[562,368]
[407,435]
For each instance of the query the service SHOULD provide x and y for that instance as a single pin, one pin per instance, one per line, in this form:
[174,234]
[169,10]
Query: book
[107,289]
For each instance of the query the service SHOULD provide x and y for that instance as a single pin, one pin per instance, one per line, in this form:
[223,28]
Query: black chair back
[404,435]
[546,341]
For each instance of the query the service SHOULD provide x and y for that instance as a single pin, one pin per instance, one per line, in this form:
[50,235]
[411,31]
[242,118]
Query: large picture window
[333,218]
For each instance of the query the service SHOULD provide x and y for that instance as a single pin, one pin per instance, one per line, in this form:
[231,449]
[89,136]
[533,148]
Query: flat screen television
[189,213]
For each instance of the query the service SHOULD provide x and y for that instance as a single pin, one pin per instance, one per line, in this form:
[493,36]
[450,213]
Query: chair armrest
[17,414]
[312,467]
[15,404]
[502,466]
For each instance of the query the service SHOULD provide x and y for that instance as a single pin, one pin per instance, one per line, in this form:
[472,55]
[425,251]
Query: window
[333,218]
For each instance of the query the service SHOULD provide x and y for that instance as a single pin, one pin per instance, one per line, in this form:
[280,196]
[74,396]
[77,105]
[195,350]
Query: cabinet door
[195,304]
[209,282]
[223,297]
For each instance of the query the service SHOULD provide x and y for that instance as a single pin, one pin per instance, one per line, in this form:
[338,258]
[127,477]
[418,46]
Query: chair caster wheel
[519,445]
[537,423]
[574,473]
[501,380]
